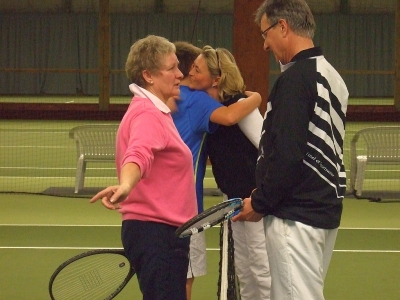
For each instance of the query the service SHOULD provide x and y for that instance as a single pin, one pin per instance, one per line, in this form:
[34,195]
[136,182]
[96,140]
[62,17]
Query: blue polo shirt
[192,119]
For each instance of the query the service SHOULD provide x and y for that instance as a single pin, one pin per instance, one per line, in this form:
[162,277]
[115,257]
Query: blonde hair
[146,54]
[220,62]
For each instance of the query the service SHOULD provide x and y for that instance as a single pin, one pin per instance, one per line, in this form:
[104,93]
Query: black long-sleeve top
[233,158]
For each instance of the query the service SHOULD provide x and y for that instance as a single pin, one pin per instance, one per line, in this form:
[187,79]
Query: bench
[94,143]
[382,146]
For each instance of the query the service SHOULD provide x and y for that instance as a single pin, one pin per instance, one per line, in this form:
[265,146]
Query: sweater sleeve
[251,126]
[147,136]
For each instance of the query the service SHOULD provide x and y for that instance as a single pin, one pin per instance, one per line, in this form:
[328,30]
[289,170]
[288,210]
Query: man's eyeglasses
[264,33]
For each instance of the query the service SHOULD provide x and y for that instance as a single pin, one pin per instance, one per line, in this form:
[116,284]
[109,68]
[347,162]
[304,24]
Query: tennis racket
[210,217]
[97,274]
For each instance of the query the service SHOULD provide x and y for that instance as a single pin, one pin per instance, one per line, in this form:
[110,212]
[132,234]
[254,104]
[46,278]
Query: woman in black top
[233,154]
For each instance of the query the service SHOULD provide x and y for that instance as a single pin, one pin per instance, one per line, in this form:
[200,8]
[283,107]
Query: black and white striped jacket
[300,172]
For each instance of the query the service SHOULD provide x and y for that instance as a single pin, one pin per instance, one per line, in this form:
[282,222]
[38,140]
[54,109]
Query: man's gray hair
[297,14]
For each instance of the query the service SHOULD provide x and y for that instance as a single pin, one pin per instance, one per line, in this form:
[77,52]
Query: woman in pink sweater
[156,192]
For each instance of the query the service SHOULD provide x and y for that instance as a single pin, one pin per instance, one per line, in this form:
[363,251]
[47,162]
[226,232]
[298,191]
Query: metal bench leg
[361,165]
[80,174]
[353,172]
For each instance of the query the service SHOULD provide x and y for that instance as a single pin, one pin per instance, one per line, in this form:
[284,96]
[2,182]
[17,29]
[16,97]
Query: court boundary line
[208,249]
[119,225]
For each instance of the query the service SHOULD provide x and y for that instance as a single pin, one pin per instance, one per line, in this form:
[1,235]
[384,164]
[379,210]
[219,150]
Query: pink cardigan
[148,137]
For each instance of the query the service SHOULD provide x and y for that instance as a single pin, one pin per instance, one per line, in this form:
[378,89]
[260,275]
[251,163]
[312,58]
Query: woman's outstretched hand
[112,196]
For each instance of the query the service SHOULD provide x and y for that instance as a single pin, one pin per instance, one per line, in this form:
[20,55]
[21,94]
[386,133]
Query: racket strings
[91,277]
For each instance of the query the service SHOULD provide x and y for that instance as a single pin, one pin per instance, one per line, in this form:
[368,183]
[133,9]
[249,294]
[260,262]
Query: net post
[397,58]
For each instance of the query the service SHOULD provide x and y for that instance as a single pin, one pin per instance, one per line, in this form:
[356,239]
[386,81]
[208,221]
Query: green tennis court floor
[37,233]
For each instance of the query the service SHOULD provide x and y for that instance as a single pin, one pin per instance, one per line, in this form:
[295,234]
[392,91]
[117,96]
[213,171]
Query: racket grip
[236,212]
[232,213]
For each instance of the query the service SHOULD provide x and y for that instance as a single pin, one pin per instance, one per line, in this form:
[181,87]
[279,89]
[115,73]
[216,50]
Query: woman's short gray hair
[146,54]
[296,12]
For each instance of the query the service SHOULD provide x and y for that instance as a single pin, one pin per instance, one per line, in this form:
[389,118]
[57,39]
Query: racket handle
[236,212]
[231,214]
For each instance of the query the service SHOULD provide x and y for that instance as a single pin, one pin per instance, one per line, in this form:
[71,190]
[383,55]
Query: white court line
[60,225]
[50,168]
[119,225]
[368,251]
[60,248]
[53,177]
[367,228]
[208,249]
[35,147]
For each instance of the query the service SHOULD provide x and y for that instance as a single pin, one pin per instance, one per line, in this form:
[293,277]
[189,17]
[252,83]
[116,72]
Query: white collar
[286,66]
[141,92]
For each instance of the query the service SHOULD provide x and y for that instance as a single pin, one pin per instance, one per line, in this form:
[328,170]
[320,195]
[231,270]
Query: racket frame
[187,228]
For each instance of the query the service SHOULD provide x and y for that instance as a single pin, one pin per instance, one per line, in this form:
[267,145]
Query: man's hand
[247,213]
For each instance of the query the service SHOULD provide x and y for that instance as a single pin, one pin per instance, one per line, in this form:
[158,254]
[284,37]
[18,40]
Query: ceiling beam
[250,57]
[397,59]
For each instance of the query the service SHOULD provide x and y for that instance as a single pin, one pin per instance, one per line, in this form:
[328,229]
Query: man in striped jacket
[300,173]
